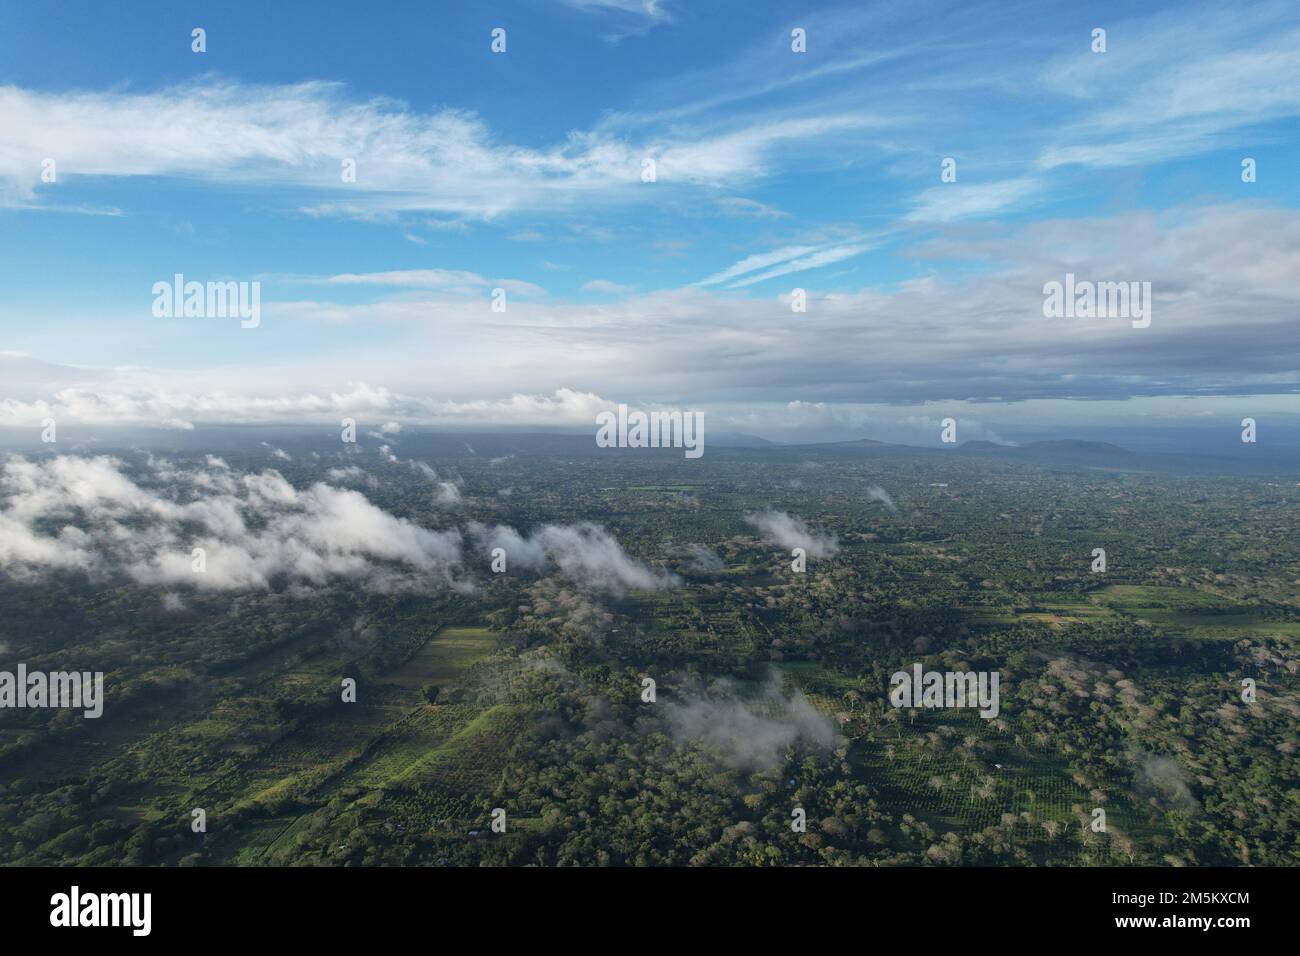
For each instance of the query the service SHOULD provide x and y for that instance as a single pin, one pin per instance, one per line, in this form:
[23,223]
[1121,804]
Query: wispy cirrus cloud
[299,135]
[818,259]
[606,287]
[759,260]
[962,200]
[768,265]
[446,280]
[627,17]
[1175,83]
[650,9]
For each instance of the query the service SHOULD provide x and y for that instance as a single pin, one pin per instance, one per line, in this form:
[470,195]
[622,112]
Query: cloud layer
[87,514]
[1221,280]
[102,517]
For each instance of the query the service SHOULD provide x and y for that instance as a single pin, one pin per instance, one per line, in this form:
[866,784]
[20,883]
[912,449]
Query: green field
[445,657]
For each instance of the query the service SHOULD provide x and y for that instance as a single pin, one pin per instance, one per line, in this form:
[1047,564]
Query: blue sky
[523,171]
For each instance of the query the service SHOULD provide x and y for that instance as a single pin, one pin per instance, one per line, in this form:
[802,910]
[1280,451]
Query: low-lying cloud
[102,517]
[876,493]
[748,731]
[584,553]
[254,530]
[788,531]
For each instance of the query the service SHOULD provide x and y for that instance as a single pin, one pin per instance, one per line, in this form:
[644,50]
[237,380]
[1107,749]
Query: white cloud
[824,257]
[448,494]
[443,280]
[606,287]
[973,333]
[749,208]
[298,135]
[788,259]
[651,9]
[88,514]
[748,731]
[107,518]
[278,453]
[787,531]
[761,260]
[961,200]
[1176,83]
[876,493]
[585,553]
[351,474]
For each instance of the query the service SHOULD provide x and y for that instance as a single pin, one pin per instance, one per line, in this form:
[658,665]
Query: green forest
[707,703]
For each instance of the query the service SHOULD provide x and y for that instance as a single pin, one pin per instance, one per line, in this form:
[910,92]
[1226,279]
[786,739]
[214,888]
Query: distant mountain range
[1280,458]
[1075,453]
